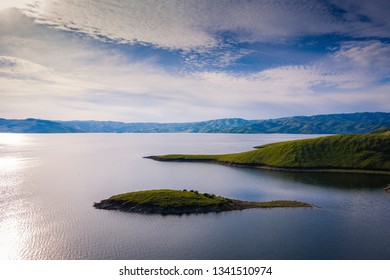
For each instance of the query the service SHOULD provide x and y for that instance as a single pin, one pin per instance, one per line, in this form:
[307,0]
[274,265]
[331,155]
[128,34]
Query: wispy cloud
[50,69]
[16,68]
[4,4]
[199,24]
[374,56]
[134,92]
[207,32]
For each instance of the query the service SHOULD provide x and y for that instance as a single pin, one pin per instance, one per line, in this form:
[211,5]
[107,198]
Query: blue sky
[176,61]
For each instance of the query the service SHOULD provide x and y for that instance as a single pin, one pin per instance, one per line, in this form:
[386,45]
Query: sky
[193,60]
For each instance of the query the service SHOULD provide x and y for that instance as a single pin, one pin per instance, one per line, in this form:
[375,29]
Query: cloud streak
[16,68]
[134,92]
[208,32]
[374,56]
[203,24]
[49,69]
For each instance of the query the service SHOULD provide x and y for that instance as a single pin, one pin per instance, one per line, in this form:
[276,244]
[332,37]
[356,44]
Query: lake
[48,184]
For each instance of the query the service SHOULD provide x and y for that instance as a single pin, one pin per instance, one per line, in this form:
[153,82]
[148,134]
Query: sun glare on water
[11,239]
[9,139]
[12,164]
[10,146]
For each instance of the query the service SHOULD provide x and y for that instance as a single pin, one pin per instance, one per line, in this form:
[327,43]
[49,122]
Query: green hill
[183,202]
[360,153]
[385,130]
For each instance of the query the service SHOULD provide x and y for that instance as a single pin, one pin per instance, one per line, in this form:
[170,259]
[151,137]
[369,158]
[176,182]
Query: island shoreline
[179,202]
[273,168]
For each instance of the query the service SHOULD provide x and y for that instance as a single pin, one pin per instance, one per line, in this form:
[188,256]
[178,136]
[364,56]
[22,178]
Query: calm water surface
[49,182]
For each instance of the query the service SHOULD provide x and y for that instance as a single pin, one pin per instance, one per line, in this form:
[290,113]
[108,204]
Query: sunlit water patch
[48,184]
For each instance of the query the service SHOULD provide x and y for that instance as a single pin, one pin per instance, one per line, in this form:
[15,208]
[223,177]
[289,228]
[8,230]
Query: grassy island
[369,153]
[183,202]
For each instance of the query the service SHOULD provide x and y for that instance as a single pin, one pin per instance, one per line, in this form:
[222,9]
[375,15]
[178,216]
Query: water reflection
[10,238]
[12,225]
[49,182]
[13,139]
[348,181]
[10,163]
[13,170]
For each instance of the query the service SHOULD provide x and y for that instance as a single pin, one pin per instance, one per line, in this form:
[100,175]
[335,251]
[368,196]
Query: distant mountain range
[34,126]
[318,124]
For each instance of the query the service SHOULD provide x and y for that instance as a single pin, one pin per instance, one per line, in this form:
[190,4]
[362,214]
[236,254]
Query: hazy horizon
[204,120]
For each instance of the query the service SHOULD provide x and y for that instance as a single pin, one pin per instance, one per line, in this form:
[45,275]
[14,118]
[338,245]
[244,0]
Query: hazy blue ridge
[318,124]
[213,126]
[323,124]
[35,126]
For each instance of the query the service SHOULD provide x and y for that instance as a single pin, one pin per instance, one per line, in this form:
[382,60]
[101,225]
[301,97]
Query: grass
[170,198]
[384,130]
[167,201]
[360,152]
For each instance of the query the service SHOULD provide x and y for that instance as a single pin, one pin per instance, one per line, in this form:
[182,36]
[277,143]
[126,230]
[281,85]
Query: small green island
[363,153]
[177,202]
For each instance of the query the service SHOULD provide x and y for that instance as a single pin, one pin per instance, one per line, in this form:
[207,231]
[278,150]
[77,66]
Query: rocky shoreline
[108,204]
[175,206]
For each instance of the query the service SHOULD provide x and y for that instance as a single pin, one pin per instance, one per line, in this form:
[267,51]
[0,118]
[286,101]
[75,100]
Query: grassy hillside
[385,130]
[169,198]
[366,152]
[183,202]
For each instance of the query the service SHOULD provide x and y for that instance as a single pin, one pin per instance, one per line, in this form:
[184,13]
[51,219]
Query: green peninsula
[178,202]
[368,153]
